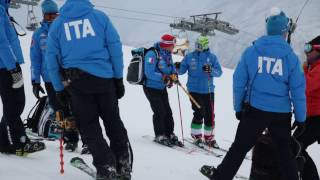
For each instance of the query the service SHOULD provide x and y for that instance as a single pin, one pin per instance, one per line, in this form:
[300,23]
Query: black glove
[299,128]
[63,97]
[119,87]
[177,65]
[17,78]
[207,68]
[167,81]
[36,89]
[239,115]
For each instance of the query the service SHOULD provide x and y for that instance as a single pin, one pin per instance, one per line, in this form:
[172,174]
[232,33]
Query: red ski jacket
[312,75]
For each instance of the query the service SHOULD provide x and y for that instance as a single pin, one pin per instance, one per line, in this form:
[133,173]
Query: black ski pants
[204,114]
[94,98]
[71,135]
[250,128]
[310,136]
[163,122]
[12,132]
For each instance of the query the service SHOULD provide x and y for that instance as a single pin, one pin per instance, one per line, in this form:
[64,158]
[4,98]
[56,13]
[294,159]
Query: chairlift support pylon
[32,23]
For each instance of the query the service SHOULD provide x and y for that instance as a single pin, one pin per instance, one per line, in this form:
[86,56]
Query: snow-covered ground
[151,161]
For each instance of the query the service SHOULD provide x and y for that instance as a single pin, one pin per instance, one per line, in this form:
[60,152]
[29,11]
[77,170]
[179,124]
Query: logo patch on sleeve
[151,60]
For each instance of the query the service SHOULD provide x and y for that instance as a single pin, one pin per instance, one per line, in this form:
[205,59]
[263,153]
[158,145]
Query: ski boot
[106,172]
[198,142]
[71,146]
[212,143]
[85,150]
[30,147]
[163,140]
[208,171]
[175,141]
[124,172]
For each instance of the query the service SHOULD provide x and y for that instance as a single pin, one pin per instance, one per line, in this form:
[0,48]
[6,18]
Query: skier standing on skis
[267,80]
[13,138]
[202,66]
[38,67]
[85,43]
[312,132]
[160,73]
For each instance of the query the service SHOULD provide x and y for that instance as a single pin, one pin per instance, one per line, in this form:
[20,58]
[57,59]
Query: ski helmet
[202,43]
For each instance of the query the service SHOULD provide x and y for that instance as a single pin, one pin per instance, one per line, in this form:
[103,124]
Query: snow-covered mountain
[142,22]
[151,161]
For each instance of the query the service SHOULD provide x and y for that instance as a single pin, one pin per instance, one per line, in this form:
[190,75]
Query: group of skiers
[78,54]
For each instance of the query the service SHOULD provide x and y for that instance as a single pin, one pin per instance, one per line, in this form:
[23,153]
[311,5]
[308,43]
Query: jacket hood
[76,8]
[5,3]
[272,46]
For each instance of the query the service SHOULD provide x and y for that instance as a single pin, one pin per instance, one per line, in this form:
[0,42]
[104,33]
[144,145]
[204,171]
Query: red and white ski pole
[211,105]
[181,121]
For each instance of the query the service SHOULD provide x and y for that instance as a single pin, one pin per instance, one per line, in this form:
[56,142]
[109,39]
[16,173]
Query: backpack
[42,121]
[136,74]
[32,121]
[46,119]
[264,164]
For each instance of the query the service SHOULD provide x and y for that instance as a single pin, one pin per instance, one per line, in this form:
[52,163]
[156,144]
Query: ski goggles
[49,17]
[308,47]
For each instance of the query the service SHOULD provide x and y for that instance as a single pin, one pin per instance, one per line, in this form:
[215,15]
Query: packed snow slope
[151,161]
[142,22]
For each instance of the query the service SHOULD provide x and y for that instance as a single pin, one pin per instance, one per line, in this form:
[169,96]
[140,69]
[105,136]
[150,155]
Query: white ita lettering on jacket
[86,26]
[270,65]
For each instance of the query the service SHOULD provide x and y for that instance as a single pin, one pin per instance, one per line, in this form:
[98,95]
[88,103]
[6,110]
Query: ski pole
[211,105]
[181,122]
[59,118]
[189,95]
[61,156]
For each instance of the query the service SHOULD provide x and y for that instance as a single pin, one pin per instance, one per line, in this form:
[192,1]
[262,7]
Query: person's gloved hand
[36,89]
[119,87]
[239,115]
[299,128]
[174,78]
[167,81]
[177,65]
[207,68]
[17,78]
[63,97]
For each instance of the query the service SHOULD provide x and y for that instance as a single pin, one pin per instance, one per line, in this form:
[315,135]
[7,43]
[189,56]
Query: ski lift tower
[204,24]
[32,23]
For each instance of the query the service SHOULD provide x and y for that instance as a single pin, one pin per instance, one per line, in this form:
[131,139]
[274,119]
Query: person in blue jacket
[13,138]
[160,73]
[266,83]
[38,68]
[84,45]
[202,67]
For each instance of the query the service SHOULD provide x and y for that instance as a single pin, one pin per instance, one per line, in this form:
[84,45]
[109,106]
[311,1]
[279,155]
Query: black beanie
[315,41]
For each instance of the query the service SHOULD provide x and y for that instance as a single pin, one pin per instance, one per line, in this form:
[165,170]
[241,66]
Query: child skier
[202,66]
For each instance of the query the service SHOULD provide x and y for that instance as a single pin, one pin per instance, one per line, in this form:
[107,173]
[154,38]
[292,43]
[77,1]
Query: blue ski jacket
[10,49]
[83,37]
[37,54]
[270,78]
[198,80]
[156,66]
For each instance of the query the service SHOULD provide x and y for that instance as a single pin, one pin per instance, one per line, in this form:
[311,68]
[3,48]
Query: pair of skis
[186,148]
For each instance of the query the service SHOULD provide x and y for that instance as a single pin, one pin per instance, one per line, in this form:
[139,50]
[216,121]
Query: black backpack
[264,163]
[32,121]
[136,74]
